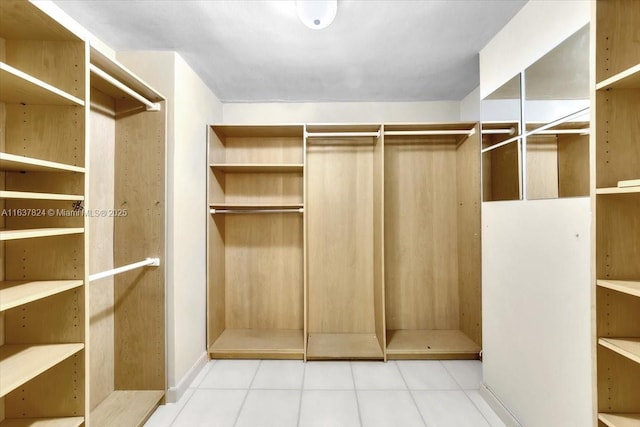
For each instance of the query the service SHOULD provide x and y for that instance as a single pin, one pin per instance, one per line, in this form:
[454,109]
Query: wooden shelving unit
[126,408]
[42,170]
[255,242]
[431,344]
[617,159]
[327,346]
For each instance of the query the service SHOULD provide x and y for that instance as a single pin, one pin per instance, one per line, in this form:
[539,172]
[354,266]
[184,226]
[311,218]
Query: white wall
[470,106]
[341,112]
[536,260]
[191,106]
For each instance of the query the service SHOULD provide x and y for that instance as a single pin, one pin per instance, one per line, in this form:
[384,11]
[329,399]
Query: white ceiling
[258,51]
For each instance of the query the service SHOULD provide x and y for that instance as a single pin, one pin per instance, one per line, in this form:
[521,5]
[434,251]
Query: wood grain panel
[216,312]
[542,167]
[140,294]
[469,240]
[421,276]
[618,314]
[618,379]
[263,188]
[503,164]
[573,165]
[263,271]
[101,189]
[378,244]
[617,136]
[617,40]
[340,238]
[46,258]
[275,149]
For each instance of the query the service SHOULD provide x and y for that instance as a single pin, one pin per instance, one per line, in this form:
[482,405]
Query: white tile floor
[274,393]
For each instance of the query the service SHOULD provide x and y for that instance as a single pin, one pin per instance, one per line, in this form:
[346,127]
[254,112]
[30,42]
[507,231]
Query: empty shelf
[624,286]
[15,293]
[17,87]
[618,190]
[37,232]
[627,79]
[23,362]
[344,346]
[12,162]
[129,408]
[627,347]
[43,422]
[620,420]
[38,196]
[430,344]
[258,168]
[256,343]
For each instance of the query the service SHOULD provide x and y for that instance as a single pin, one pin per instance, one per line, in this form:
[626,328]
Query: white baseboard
[497,406]
[175,393]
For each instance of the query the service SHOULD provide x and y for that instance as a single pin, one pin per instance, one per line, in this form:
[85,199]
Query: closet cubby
[255,241]
[501,161]
[617,203]
[432,241]
[344,241]
[127,225]
[43,346]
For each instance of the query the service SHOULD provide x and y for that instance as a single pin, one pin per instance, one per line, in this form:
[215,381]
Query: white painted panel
[537,309]
[535,30]
[342,112]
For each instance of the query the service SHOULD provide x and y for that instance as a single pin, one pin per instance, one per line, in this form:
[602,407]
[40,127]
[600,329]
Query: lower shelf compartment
[430,344]
[620,420]
[344,346]
[258,344]
[43,422]
[131,408]
[627,347]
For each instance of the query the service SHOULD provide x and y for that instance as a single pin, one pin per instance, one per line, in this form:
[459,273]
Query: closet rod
[255,211]
[341,134]
[509,131]
[428,132]
[151,106]
[152,262]
[562,132]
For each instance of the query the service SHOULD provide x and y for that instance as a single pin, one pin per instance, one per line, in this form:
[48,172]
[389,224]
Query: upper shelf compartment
[17,87]
[343,134]
[20,20]
[436,133]
[617,40]
[627,79]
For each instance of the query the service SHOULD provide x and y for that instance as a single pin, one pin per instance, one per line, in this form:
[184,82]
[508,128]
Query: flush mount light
[317,14]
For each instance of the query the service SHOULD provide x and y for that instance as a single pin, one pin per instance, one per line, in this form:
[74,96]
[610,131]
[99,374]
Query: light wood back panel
[618,231]
[542,167]
[340,237]
[618,383]
[101,188]
[501,173]
[617,136]
[216,312]
[618,314]
[263,265]
[45,132]
[573,165]
[469,237]
[617,41]
[140,294]
[378,244]
[263,188]
[421,273]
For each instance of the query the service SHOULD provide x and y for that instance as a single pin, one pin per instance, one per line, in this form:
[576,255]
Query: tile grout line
[413,399]
[247,394]
[355,390]
[304,373]
[192,394]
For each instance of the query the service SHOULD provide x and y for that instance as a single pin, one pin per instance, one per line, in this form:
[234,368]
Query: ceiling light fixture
[317,14]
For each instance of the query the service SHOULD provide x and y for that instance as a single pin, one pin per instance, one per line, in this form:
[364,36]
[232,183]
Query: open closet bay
[344,241]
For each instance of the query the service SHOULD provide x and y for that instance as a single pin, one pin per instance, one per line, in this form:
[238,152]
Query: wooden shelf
[16,293]
[258,168]
[618,190]
[627,347]
[259,343]
[43,422]
[129,408]
[37,232]
[430,344]
[256,206]
[17,87]
[344,346]
[21,363]
[624,286]
[620,420]
[38,196]
[12,162]
[627,79]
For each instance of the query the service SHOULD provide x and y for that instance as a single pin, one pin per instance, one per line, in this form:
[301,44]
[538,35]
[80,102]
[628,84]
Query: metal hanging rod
[151,262]
[255,211]
[429,132]
[342,134]
[509,131]
[151,106]
[562,132]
